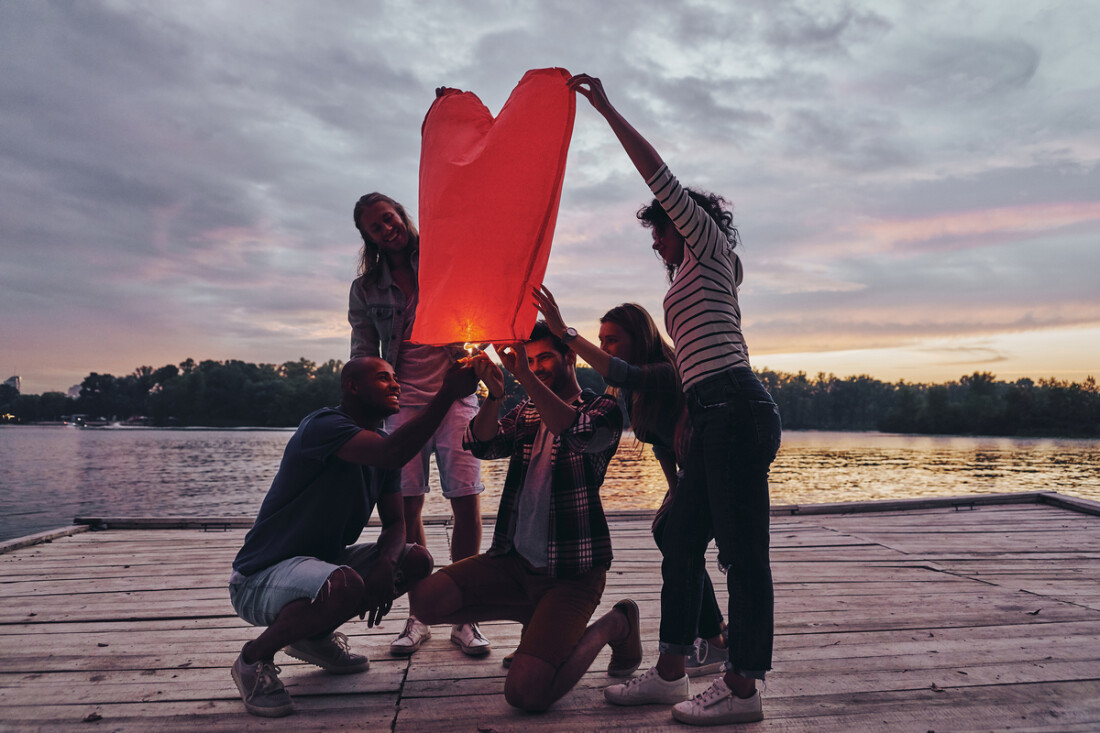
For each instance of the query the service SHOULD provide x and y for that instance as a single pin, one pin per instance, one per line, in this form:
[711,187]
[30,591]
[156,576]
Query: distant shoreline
[108,427]
[119,426]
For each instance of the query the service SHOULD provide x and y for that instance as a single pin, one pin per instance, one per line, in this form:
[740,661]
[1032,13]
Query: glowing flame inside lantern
[471,351]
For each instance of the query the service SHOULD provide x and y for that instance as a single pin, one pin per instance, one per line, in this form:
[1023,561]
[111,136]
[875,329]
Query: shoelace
[711,695]
[635,681]
[477,633]
[408,627]
[341,642]
[700,649]
[267,680]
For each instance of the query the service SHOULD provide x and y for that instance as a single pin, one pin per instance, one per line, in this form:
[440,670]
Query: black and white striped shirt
[701,311]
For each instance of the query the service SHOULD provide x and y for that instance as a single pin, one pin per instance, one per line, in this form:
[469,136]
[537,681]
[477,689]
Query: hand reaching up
[544,301]
[489,373]
[459,381]
[514,357]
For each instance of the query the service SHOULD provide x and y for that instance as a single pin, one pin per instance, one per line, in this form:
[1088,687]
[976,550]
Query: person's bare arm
[398,448]
[596,357]
[557,415]
[380,588]
[484,425]
[641,153]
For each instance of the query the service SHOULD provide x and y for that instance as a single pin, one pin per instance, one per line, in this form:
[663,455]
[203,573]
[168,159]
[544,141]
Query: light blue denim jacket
[376,312]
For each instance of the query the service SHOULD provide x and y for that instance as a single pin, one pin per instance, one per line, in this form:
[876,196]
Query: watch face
[570,334]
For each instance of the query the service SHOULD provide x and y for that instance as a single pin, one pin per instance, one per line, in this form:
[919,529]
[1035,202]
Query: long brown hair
[648,348]
[369,254]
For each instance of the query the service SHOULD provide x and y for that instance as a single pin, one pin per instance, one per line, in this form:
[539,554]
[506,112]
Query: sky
[916,185]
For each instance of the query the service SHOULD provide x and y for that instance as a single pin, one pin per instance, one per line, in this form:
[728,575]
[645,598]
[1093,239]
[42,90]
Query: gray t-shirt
[532,535]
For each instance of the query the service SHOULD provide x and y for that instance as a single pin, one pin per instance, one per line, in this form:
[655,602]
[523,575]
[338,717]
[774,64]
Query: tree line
[976,404]
[237,394]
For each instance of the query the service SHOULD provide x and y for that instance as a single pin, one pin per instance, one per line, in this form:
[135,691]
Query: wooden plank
[178,684]
[216,522]
[1065,706]
[359,712]
[798,681]
[859,507]
[39,538]
[931,619]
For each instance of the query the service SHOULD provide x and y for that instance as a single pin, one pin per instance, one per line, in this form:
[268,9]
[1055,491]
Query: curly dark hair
[653,216]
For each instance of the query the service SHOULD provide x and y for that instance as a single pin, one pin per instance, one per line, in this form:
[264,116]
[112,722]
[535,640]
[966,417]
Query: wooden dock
[974,614]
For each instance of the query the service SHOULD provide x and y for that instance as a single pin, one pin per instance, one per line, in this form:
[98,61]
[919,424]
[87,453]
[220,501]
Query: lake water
[48,475]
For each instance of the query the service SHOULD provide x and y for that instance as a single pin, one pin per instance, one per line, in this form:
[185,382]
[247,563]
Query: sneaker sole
[623,671]
[404,651]
[408,651]
[705,669]
[630,608]
[632,701]
[268,712]
[690,719]
[471,651]
[317,662]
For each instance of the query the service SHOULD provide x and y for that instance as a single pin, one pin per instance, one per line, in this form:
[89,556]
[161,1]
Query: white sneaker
[409,640]
[647,689]
[469,639]
[718,705]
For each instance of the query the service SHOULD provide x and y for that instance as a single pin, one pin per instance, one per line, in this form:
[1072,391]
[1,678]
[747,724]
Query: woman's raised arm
[585,349]
[642,154]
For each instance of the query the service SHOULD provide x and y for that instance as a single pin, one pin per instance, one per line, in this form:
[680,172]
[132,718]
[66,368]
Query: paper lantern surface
[489,194]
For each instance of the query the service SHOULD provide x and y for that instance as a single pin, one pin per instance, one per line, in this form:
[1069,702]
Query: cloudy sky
[916,184]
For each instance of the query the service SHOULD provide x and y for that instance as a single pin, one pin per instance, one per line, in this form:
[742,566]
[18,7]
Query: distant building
[16,382]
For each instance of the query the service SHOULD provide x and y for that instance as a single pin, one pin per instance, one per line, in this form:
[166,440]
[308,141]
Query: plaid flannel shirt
[579,537]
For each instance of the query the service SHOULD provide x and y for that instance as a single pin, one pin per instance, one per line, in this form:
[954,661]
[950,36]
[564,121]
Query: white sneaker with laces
[648,689]
[469,640]
[409,640]
[717,705]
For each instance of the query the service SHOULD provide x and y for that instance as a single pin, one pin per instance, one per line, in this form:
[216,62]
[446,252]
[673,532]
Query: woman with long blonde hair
[381,310]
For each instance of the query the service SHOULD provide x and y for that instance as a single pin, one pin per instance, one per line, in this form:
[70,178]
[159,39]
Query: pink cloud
[979,223]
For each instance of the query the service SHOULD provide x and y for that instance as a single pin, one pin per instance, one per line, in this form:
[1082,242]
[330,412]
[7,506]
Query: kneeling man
[551,547]
[299,573]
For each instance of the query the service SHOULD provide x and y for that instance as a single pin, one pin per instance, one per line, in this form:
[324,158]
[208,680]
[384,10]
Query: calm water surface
[48,475]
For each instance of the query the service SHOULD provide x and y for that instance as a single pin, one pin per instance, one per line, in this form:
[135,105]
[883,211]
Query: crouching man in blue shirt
[299,572]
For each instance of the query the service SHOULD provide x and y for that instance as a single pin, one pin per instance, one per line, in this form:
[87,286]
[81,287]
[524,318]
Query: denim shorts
[459,471]
[258,598]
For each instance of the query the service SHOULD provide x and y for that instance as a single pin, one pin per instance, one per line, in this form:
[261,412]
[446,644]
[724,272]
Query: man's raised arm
[398,448]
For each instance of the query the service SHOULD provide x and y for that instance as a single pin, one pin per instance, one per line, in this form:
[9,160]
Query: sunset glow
[915,185]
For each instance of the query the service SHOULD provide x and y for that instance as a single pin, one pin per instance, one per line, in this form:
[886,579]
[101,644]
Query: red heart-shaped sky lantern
[489,193]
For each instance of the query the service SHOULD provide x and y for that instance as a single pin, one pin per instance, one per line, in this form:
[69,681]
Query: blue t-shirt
[317,504]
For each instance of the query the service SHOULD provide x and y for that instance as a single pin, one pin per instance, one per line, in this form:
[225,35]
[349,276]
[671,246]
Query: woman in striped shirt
[735,437]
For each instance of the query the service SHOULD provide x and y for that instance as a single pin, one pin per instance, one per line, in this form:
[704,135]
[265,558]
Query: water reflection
[49,475]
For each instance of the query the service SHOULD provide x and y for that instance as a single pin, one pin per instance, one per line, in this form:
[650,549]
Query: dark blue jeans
[710,613]
[736,434]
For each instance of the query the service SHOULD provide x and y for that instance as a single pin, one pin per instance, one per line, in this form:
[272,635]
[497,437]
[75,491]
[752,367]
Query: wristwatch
[569,335]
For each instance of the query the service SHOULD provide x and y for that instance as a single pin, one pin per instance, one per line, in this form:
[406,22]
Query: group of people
[713,428]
